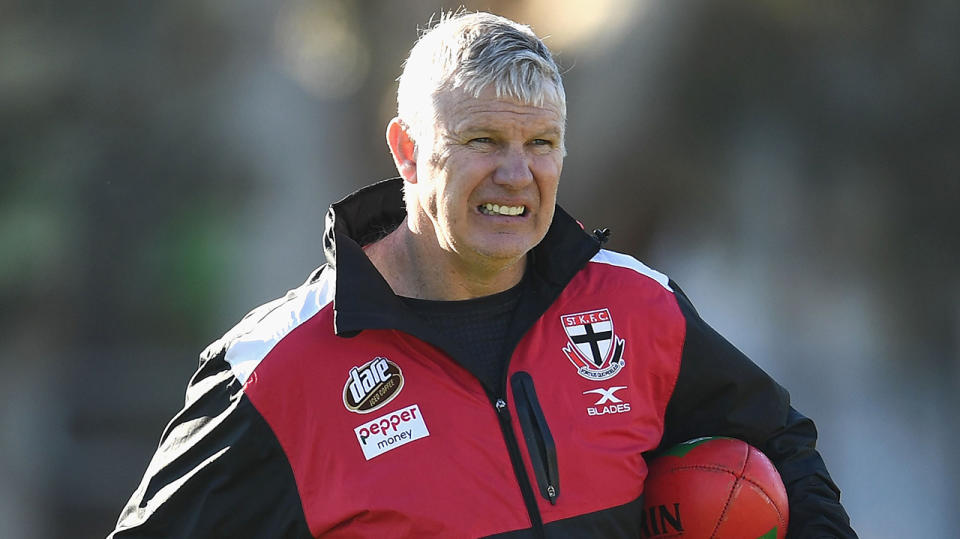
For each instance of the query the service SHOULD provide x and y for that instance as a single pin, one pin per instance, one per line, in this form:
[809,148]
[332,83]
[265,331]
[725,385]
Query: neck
[416,267]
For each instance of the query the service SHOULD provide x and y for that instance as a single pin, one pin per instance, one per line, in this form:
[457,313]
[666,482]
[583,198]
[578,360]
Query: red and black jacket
[335,411]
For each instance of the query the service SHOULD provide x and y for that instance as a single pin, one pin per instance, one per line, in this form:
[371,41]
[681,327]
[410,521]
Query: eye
[481,140]
[542,146]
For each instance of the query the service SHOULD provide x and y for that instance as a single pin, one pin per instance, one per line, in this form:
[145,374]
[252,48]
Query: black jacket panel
[219,470]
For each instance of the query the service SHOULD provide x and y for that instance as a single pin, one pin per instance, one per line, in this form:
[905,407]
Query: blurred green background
[165,167]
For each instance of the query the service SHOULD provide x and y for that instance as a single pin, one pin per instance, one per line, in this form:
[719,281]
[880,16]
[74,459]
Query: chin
[504,249]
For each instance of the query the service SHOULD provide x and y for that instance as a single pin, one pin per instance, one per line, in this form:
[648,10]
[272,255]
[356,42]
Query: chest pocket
[536,432]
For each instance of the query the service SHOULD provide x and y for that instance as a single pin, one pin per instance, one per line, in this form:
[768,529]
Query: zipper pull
[501,405]
[552,494]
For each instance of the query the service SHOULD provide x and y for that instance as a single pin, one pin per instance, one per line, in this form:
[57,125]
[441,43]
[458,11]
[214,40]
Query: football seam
[715,468]
[733,489]
[726,506]
[767,494]
[738,477]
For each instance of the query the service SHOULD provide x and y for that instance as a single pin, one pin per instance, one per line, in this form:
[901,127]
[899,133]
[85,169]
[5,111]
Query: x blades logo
[607,395]
[593,347]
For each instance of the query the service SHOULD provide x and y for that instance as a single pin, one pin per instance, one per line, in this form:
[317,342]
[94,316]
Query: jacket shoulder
[614,259]
[219,458]
[248,342]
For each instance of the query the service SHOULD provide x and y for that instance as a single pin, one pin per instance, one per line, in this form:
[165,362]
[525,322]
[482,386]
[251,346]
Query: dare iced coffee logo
[372,385]
[391,431]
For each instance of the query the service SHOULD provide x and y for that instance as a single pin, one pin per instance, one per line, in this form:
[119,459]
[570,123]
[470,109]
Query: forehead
[457,110]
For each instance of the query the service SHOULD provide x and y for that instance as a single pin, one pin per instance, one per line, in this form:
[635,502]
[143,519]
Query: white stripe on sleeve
[247,346]
[614,258]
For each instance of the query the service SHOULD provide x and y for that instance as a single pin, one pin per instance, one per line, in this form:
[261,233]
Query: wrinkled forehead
[453,106]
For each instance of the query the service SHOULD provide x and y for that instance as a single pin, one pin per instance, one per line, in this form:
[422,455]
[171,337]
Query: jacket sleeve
[720,392]
[219,470]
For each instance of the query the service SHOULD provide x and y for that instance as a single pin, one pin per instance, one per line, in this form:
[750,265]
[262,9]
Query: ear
[403,149]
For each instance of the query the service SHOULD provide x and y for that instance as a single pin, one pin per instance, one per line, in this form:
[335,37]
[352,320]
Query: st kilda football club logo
[372,385]
[594,349]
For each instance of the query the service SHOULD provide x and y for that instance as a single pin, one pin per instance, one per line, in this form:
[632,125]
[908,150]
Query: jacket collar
[364,300]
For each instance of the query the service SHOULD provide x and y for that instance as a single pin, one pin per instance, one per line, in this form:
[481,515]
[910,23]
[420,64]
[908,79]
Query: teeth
[496,209]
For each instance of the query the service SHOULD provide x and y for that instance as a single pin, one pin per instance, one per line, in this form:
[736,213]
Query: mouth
[496,209]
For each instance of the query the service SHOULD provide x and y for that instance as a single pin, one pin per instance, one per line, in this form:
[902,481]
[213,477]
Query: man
[469,362]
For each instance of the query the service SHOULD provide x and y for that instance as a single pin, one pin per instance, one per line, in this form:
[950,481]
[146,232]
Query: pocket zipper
[536,432]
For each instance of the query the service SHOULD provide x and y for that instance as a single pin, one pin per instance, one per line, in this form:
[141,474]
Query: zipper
[536,432]
[529,499]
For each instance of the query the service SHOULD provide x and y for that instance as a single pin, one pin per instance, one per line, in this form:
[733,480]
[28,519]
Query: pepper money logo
[372,385]
[390,431]
[594,349]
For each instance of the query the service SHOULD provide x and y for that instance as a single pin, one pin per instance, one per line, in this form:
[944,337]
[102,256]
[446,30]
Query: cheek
[426,194]
[443,201]
[547,171]
[460,179]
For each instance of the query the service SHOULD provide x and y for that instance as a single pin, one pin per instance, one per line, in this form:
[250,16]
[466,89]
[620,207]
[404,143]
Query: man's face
[487,182]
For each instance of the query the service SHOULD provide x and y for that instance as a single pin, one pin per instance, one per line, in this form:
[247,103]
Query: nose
[514,169]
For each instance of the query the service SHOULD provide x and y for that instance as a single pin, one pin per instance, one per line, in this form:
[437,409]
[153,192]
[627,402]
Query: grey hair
[473,51]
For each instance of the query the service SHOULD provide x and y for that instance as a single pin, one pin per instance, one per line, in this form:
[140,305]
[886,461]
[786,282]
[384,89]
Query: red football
[714,488]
